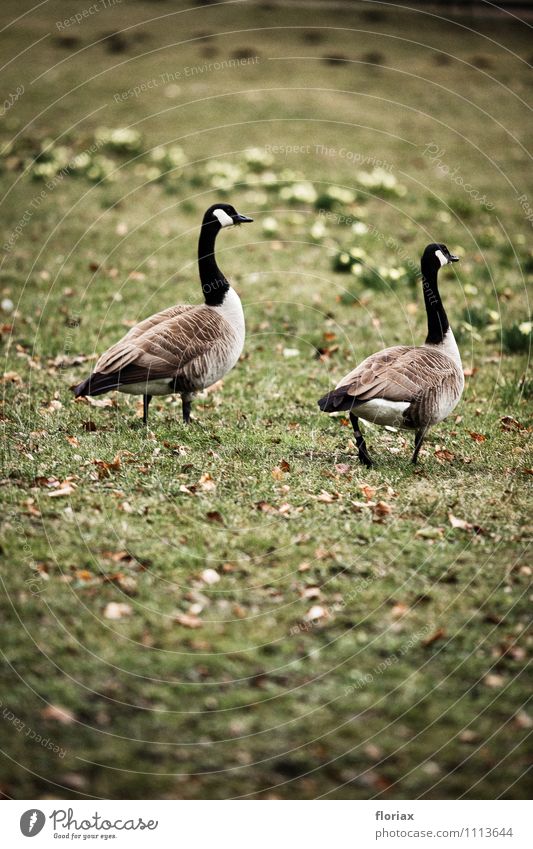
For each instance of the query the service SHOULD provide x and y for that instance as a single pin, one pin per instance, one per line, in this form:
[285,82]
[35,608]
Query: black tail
[96,384]
[335,401]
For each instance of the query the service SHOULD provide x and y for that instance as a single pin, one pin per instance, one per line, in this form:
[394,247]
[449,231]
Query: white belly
[150,387]
[382,412]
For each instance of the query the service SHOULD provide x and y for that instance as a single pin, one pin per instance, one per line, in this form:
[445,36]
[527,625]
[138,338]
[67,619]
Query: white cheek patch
[223,217]
[441,258]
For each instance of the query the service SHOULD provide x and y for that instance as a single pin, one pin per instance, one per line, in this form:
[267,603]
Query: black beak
[241,219]
[453,258]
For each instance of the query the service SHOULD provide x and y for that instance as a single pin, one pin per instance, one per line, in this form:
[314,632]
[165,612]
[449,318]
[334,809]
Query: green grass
[412,683]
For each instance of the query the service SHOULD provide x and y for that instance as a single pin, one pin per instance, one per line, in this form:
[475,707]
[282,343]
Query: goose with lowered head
[182,349]
[408,387]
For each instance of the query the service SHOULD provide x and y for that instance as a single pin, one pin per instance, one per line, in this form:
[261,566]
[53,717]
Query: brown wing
[397,374]
[166,347]
[156,318]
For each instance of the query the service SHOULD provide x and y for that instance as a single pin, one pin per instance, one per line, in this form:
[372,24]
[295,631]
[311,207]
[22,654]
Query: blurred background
[239,610]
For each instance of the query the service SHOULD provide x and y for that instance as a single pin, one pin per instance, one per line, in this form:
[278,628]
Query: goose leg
[419,438]
[146,404]
[186,401]
[364,456]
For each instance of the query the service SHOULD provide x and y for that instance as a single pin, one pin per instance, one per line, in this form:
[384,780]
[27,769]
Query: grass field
[238,609]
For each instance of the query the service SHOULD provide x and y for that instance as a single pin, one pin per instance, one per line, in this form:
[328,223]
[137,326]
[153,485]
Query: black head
[223,215]
[437,255]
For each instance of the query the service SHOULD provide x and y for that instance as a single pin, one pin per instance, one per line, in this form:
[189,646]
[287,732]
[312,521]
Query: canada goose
[184,348]
[406,386]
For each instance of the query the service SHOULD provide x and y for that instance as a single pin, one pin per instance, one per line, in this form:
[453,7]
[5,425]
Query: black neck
[437,318]
[214,284]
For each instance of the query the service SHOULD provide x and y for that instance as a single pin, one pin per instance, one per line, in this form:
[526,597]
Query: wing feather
[166,345]
[398,374]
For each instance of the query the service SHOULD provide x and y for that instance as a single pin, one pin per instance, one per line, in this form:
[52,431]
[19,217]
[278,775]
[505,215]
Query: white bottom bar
[267,824]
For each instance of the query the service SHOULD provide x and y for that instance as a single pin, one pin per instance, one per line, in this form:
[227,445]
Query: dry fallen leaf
[215,516]
[367,490]
[439,634]
[66,488]
[207,483]
[315,613]
[468,736]
[493,680]
[311,592]
[96,402]
[210,576]
[477,437]
[327,497]
[399,610]
[444,454]
[188,620]
[52,407]
[73,440]
[381,509]
[11,377]
[342,468]
[264,507]
[508,423]
[117,610]
[105,468]
[523,720]
[463,525]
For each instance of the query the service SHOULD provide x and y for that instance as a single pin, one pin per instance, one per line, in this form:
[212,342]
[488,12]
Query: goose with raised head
[408,387]
[182,349]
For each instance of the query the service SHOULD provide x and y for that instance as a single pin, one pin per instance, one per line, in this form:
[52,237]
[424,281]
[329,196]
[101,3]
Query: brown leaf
[439,634]
[89,426]
[399,610]
[327,497]
[523,720]
[57,713]
[477,437]
[508,423]
[444,454]
[468,736]
[315,613]
[210,576]
[11,377]
[215,516]
[463,525]
[207,483]
[117,610]
[188,620]
[367,490]
[311,592]
[382,509]
[97,402]
[264,507]
[469,372]
[73,440]
[284,466]
[493,680]
[66,488]
[342,468]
